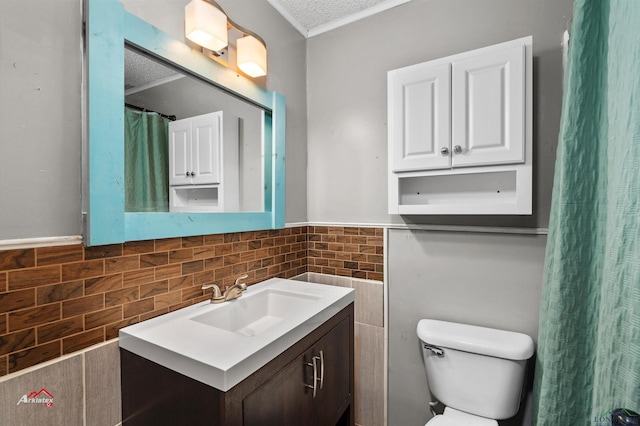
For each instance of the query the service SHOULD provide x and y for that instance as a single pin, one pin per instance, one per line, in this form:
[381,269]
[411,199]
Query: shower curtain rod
[137,108]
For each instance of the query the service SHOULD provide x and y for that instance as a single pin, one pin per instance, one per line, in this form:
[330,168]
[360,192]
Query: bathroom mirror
[108,28]
[159,99]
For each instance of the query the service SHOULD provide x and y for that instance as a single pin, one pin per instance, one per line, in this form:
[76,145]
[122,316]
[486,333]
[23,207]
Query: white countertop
[223,358]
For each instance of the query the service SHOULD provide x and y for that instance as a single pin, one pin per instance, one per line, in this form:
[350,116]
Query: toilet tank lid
[475,339]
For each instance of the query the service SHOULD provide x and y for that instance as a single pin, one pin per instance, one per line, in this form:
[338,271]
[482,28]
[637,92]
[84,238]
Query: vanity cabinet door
[335,375]
[288,399]
[283,400]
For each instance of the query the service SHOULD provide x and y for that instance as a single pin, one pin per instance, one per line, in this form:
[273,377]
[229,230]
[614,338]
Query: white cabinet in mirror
[203,163]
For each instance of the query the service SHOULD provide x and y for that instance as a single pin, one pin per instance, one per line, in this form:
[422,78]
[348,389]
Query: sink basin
[248,316]
[222,344]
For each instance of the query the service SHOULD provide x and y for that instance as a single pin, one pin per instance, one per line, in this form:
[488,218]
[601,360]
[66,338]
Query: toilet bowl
[452,417]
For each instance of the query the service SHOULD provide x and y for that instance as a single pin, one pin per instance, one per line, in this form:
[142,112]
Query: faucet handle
[216,290]
[241,277]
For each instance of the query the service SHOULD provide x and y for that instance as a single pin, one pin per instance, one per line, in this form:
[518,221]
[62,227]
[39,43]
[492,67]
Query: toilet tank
[480,370]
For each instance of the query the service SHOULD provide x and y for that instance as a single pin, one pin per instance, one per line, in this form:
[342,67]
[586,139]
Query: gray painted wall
[490,280]
[40,118]
[347,104]
[41,105]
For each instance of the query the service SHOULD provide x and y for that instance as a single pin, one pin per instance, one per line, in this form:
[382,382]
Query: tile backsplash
[59,300]
[346,251]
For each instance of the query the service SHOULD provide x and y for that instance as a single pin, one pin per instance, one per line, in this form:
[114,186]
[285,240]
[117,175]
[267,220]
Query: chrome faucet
[232,292]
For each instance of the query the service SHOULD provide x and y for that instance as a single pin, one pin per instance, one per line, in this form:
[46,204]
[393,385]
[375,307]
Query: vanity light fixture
[207,25]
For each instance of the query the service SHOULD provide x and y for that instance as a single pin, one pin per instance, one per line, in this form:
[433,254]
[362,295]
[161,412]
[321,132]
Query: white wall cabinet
[460,133]
[203,163]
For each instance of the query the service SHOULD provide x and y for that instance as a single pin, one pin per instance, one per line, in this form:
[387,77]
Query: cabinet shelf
[491,191]
[193,198]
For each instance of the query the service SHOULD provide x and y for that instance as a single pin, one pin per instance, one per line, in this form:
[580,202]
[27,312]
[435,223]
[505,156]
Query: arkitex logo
[40,397]
[617,416]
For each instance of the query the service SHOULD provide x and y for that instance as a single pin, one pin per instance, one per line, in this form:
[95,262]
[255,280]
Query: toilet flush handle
[439,352]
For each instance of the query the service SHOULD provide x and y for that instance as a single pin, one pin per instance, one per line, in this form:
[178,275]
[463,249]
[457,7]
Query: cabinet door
[283,400]
[420,116]
[205,154]
[180,152]
[336,377]
[488,107]
[287,399]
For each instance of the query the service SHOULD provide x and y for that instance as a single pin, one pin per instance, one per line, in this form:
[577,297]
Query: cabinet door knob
[457,149]
[444,151]
[188,174]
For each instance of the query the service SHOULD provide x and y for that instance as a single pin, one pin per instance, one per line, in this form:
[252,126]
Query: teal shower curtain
[588,357]
[146,162]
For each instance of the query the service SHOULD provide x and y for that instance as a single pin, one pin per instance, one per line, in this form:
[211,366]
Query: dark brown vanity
[310,383]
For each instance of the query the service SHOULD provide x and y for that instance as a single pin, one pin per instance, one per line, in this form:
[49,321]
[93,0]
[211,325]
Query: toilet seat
[452,417]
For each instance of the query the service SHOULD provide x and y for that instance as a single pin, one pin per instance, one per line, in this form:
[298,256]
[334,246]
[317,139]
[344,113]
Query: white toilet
[476,372]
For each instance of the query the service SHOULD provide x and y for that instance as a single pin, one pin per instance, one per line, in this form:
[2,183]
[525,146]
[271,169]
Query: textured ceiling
[140,71]
[312,17]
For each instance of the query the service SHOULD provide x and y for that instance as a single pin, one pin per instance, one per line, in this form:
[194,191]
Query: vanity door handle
[313,364]
[321,369]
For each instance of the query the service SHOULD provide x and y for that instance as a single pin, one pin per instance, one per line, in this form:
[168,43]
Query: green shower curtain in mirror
[588,357]
[146,162]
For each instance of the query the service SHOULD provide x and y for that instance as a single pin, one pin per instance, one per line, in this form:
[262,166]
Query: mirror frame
[108,28]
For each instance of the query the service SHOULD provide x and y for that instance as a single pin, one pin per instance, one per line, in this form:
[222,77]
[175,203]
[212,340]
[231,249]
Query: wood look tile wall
[58,300]
[346,251]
